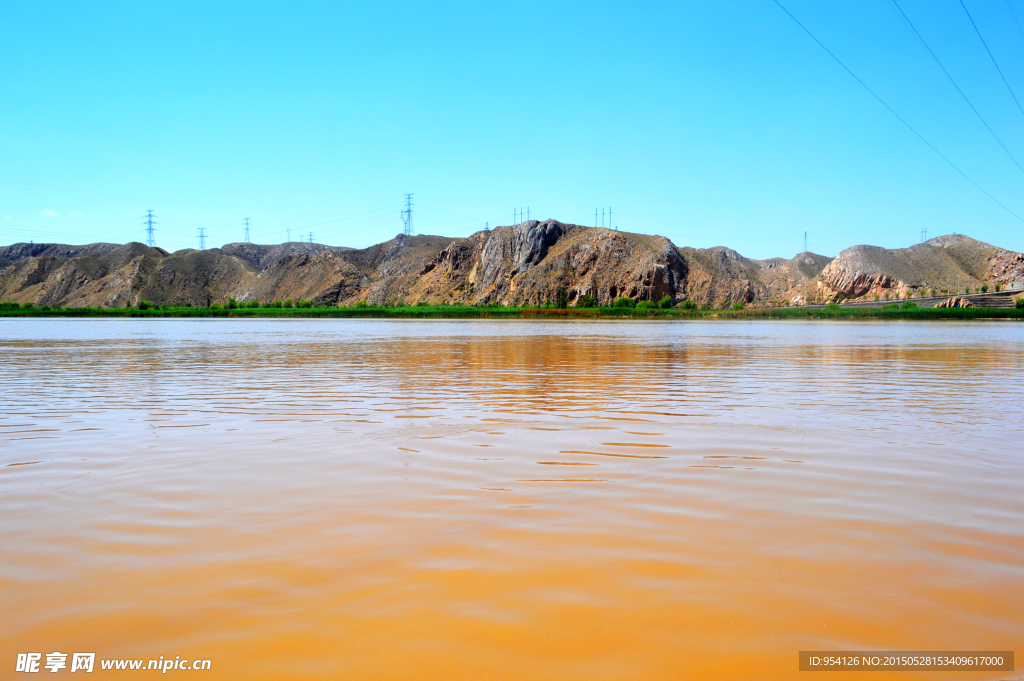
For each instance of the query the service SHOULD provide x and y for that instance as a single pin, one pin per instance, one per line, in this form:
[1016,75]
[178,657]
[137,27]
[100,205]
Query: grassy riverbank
[473,312]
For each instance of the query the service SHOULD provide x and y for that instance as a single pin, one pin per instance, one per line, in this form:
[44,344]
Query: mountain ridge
[531,263]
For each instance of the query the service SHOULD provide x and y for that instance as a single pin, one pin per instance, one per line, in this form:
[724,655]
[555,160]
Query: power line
[449,215]
[893,112]
[976,112]
[202,238]
[1021,30]
[407,216]
[996,64]
[350,217]
[150,239]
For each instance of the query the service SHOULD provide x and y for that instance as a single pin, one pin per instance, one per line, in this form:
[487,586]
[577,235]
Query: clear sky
[712,123]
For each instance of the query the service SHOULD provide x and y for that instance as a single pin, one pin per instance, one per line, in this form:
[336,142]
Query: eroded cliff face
[530,263]
[533,262]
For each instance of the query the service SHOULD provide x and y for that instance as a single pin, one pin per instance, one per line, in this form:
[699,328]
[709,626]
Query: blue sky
[717,123]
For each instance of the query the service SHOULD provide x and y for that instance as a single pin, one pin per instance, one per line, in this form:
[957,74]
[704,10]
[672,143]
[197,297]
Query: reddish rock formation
[955,301]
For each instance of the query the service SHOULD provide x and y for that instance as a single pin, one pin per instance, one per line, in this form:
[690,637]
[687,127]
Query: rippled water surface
[324,499]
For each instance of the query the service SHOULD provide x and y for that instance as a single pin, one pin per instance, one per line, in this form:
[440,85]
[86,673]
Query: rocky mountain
[529,263]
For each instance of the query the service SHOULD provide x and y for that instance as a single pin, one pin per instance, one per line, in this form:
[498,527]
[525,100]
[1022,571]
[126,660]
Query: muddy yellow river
[323,499]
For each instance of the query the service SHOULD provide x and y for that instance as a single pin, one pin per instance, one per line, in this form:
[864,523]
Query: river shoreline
[835,312]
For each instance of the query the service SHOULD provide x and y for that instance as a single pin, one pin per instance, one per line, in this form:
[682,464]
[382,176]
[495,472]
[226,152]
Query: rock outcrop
[534,262]
[955,301]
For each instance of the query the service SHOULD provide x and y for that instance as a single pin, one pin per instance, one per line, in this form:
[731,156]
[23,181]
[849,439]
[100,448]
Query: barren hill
[529,263]
[9,254]
[945,261]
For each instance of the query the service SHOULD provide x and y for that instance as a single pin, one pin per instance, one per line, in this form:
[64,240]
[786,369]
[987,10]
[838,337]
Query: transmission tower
[407,216]
[247,231]
[202,238]
[805,242]
[289,234]
[150,239]
[311,237]
[487,226]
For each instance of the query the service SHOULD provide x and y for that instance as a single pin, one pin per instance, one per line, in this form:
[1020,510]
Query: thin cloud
[49,213]
[8,217]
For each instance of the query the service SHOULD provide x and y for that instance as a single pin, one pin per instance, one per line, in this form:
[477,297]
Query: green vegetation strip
[501,312]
